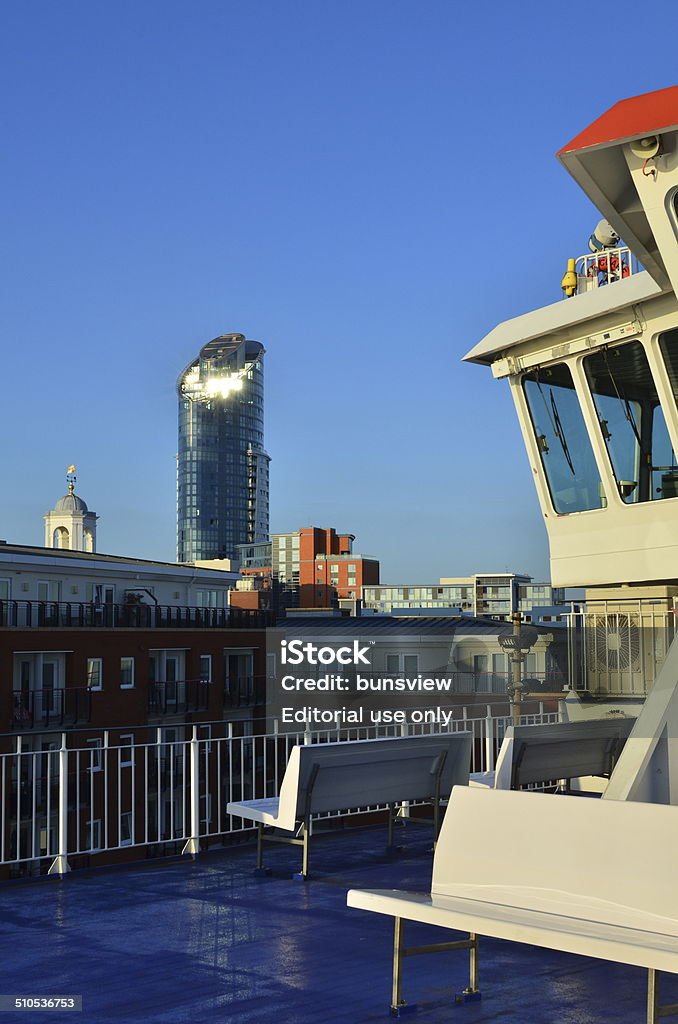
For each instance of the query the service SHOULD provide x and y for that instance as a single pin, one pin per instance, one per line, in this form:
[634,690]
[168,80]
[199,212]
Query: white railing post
[489,740]
[59,865]
[192,844]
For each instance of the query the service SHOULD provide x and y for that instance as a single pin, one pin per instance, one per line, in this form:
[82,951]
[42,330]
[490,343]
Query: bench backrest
[608,861]
[359,773]
[563,750]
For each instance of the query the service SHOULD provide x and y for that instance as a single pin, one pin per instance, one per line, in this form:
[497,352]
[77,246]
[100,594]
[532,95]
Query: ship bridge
[594,377]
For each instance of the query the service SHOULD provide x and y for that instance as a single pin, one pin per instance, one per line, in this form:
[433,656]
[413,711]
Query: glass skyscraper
[222,471]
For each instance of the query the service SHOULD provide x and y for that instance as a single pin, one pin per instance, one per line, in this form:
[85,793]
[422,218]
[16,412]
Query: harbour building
[222,467]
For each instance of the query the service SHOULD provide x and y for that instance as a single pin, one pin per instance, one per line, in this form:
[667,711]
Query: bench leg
[654,1010]
[400,951]
[305,850]
[473,990]
[305,833]
[260,846]
[396,994]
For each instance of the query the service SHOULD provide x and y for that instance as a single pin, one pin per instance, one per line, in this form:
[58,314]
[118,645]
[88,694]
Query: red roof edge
[640,115]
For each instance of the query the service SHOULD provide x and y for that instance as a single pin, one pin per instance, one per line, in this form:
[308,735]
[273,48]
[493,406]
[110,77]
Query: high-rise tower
[222,480]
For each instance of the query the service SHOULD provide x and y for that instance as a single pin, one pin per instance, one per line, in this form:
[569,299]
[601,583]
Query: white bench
[533,754]
[584,876]
[331,777]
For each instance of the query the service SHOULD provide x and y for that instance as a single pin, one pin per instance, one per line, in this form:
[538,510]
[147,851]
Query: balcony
[244,691]
[178,697]
[69,614]
[32,709]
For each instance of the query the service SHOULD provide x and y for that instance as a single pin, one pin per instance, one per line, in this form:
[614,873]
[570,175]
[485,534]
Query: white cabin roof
[562,314]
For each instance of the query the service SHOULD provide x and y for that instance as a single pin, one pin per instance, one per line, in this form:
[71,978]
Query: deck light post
[517,643]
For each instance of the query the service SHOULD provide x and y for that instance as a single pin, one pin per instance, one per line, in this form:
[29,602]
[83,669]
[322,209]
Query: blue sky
[365,186]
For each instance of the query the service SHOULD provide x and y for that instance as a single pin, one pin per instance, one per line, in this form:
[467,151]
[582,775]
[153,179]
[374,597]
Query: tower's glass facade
[222,471]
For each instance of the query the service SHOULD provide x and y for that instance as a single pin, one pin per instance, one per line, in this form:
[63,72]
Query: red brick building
[314,567]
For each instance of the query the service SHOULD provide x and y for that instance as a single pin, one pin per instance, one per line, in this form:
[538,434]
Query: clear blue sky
[365,186]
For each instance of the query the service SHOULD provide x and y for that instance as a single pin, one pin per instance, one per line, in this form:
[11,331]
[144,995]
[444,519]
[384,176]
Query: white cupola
[70,524]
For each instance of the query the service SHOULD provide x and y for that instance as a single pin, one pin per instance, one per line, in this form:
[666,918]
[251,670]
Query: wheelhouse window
[668,344]
[564,444]
[632,422]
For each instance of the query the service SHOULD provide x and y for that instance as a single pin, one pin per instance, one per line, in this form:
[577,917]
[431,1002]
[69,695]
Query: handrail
[596,269]
[73,614]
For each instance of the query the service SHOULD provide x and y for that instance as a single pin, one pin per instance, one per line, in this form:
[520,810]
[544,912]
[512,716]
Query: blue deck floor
[202,941]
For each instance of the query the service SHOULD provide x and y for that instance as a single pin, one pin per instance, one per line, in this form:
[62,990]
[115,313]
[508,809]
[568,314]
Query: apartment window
[410,664]
[205,668]
[4,590]
[205,736]
[94,747]
[205,809]
[48,590]
[126,828]
[126,673]
[94,673]
[93,840]
[49,681]
[126,749]
[392,662]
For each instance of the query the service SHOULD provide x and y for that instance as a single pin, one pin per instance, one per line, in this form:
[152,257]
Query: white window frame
[208,678]
[387,658]
[130,817]
[205,734]
[126,741]
[130,658]
[206,804]
[50,585]
[91,662]
[95,762]
[93,832]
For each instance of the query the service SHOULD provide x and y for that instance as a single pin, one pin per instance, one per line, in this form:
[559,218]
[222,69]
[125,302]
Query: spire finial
[71,478]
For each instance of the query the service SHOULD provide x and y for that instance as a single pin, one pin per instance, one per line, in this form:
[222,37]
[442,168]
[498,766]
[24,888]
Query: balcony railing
[244,691]
[56,614]
[178,697]
[42,708]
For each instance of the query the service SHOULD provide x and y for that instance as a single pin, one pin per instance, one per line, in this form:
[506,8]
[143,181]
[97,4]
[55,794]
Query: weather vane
[70,478]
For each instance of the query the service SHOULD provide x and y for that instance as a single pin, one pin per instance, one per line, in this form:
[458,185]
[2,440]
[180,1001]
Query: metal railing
[596,269]
[496,682]
[60,806]
[57,614]
[181,696]
[244,691]
[32,709]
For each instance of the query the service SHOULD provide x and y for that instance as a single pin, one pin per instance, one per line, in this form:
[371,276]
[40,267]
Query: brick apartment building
[314,567]
[108,667]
